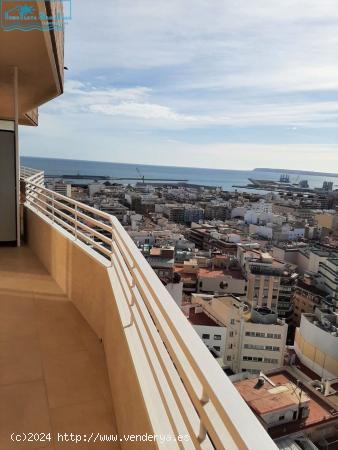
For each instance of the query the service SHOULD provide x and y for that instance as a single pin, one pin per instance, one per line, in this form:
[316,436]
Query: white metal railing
[192,383]
[32,175]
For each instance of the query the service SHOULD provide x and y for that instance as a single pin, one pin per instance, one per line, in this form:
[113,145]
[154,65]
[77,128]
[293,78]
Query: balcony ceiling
[39,58]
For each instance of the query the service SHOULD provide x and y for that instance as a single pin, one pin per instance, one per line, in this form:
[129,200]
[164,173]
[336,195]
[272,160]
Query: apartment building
[216,211]
[210,330]
[60,187]
[287,287]
[254,338]
[307,296]
[316,342]
[276,406]
[306,257]
[222,275]
[183,213]
[263,275]
[327,219]
[270,282]
[328,280]
[263,340]
[298,412]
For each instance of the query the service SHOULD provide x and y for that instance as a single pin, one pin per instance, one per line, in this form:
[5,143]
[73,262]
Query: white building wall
[176,291]
[273,335]
[303,263]
[238,212]
[231,285]
[274,418]
[203,331]
[94,188]
[236,340]
[314,260]
[250,217]
[319,338]
[142,237]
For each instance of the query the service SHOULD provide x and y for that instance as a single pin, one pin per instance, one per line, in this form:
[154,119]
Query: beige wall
[325,220]
[87,283]
[302,303]
[264,285]
[314,358]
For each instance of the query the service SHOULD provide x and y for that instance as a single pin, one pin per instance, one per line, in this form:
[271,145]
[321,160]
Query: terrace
[93,341]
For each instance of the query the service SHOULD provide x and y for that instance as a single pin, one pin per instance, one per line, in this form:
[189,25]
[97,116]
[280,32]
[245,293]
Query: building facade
[316,342]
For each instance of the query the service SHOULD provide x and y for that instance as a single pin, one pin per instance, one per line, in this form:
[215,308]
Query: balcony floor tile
[20,360]
[53,376]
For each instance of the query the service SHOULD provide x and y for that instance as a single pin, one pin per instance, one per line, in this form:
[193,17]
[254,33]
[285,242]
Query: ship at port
[284,184]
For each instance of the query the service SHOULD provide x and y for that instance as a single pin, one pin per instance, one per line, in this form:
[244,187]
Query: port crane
[140,174]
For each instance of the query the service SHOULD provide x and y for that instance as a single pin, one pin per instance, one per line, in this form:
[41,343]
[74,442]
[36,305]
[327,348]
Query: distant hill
[297,172]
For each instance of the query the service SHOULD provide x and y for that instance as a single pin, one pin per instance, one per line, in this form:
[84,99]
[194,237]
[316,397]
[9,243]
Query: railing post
[53,208]
[75,222]
[202,433]
[112,242]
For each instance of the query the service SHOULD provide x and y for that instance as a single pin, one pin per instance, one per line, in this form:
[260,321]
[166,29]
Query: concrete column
[17,155]
[8,202]
[10,173]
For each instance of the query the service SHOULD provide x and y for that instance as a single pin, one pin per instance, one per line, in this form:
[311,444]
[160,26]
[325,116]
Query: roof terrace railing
[197,395]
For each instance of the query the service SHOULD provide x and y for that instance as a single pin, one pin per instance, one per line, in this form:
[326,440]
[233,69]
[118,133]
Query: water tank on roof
[263,315]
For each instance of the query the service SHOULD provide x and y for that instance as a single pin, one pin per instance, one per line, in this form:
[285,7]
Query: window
[229,358]
[230,346]
[260,334]
[217,348]
[232,321]
[217,337]
[271,360]
[231,333]
[205,336]
[281,418]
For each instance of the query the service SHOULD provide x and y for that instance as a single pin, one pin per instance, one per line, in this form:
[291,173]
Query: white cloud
[136,104]
[150,68]
[217,43]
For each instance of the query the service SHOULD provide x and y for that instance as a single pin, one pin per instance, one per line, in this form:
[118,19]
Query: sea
[130,173]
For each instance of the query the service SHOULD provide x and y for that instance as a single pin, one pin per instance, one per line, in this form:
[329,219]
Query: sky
[233,84]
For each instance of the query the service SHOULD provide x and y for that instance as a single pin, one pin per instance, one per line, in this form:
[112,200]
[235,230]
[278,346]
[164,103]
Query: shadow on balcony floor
[53,377]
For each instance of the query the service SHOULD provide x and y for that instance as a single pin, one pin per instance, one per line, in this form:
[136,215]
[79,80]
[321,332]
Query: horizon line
[277,169]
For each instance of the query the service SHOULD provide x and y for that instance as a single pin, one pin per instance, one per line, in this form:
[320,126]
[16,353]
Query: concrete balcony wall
[87,281]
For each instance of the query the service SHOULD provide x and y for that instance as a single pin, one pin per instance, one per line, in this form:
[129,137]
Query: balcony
[90,327]
[53,375]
